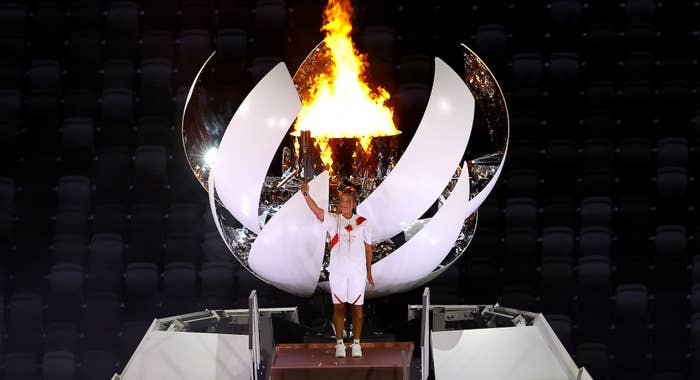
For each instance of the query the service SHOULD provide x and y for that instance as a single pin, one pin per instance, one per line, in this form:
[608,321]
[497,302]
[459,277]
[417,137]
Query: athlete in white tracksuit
[350,265]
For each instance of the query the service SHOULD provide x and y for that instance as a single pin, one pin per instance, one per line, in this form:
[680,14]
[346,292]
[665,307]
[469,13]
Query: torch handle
[306,155]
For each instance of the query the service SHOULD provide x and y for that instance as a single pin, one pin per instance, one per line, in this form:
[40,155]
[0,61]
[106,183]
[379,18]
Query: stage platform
[380,360]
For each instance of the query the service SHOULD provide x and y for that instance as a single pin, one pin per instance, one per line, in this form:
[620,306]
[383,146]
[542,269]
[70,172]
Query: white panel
[417,258]
[288,252]
[429,161]
[250,142]
[504,353]
[191,356]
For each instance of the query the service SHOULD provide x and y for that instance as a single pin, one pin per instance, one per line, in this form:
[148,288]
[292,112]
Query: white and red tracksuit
[348,264]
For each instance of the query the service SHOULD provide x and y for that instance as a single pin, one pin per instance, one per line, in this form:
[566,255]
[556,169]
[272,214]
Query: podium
[380,360]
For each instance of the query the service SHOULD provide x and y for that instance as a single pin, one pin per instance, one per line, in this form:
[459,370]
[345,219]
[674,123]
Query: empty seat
[141,281]
[42,111]
[490,40]
[25,321]
[11,76]
[13,18]
[179,287]
[518,297]
[670,244]
[270,16]
[598,153]
[521,213]
[66,284]
[156,77]
[73,192]
[526,70]
[635,153]
[556,286]
[638,11]
[522,182]
[106,263]
[109,218]
[218,288]
[117,107]
[131,334]
[146,233]
[183,247]
[558,211]
[193,50]
[412,100]
[231,44]
[481,280]
[78,144]
[21,365]
[68,249]
[119,73]
[593,313]
[185,218]
[97,365]
[62,336]
[633,216]
[150,173]
[80,103]
[7,194]
[416,69]
[101,321]
[563,69]
[214,249]
[45,75]
[561,324]
[600,95]
[117,113]
[595,241]
[59,365]
[672,151]
[596,211]
[520,246]
[595,358]
[631,334]
[597,182]
[557,241]
[566,13]
[157,44]
[112,175]
[72,221]
[672,182]
[122,19]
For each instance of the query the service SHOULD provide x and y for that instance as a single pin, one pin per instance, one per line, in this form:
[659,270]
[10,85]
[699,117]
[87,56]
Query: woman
[350,265]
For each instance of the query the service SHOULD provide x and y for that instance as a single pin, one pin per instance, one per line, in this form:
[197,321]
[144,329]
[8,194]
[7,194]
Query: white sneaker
[356,350]
[340,350]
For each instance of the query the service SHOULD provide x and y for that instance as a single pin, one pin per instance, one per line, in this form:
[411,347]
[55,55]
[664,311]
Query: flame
[340,102]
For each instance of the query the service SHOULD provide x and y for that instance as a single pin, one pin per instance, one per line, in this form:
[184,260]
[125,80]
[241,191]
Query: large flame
[341,103]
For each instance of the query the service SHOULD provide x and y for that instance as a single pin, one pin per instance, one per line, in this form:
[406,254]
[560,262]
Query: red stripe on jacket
[334,241]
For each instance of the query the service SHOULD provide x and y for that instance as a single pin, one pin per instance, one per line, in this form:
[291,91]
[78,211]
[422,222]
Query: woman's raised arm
[312,204]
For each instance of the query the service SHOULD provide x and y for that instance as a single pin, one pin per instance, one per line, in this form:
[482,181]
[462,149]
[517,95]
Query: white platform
[191,356]
[513,353]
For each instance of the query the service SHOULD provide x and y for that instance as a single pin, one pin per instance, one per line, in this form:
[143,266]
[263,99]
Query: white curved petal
[430,160]
[288,252]
[250,142]
[417,258]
